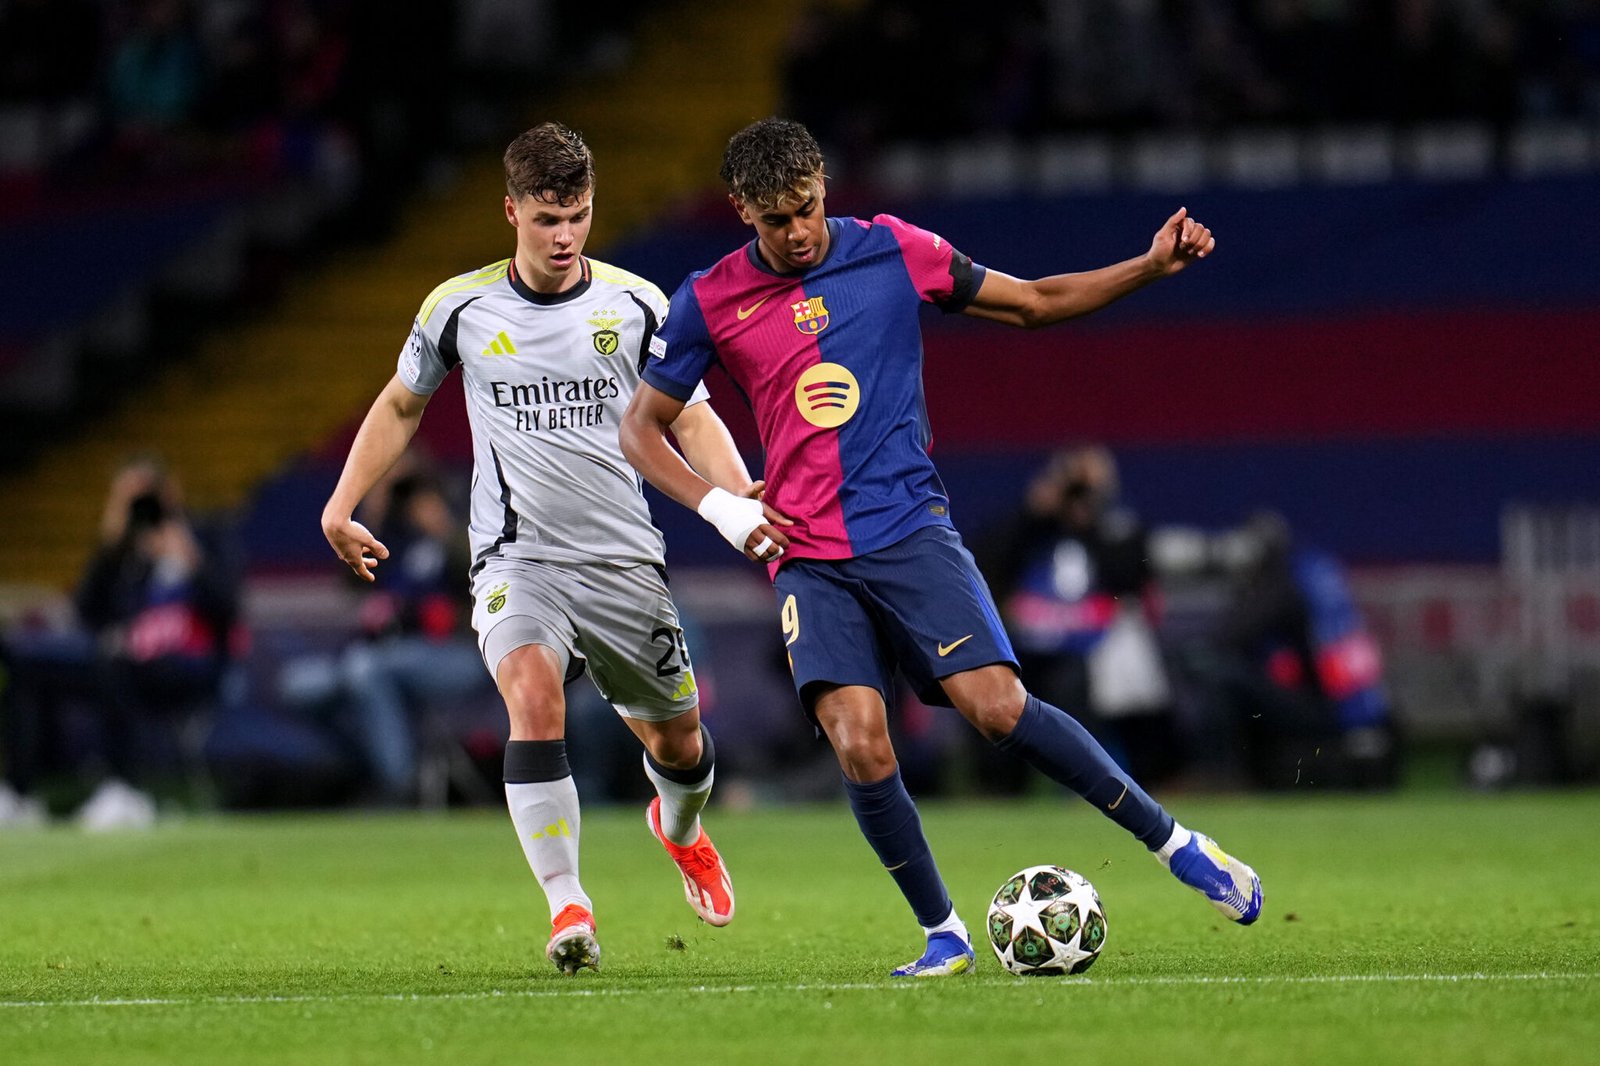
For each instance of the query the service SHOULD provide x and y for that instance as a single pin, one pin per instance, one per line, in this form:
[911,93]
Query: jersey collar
[753,253]
[547,298]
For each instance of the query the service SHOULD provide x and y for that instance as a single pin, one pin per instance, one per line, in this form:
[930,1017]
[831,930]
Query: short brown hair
[771,161]
[550,159]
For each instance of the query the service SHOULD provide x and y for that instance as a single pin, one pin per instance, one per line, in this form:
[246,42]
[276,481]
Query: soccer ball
[1046,920]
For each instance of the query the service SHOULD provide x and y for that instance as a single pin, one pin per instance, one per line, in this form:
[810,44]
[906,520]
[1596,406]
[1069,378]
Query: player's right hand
[355,544]
[766,542]
[746,523]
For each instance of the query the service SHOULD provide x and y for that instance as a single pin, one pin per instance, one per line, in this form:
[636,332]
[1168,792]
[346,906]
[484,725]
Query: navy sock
[891,825]
[1053,742]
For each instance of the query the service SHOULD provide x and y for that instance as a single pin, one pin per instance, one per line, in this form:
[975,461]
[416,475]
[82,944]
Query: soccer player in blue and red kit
[816,320]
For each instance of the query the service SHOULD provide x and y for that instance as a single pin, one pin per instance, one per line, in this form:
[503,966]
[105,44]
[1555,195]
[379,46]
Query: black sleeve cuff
[966,279]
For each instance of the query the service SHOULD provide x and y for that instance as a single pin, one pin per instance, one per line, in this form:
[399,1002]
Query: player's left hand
[1180,241]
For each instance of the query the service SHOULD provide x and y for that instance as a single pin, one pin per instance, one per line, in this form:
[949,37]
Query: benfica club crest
[606,337]
[810,316]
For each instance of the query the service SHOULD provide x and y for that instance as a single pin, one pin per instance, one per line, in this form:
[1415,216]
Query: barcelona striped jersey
[830,359]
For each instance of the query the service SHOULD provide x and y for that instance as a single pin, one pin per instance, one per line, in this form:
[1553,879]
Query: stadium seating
[262,393]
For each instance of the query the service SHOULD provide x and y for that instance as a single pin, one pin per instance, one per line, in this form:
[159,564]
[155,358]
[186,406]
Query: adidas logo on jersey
[501,345]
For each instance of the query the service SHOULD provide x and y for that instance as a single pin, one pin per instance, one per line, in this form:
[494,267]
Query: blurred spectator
[1297,688]
[242,65]
[156,611]
[1073,580]
[272,74]
[153,83]
[1116,66]
[350,94]
[416,658]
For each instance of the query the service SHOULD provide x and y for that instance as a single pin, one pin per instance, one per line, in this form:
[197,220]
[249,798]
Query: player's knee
[533,694]
[535,712]
[991,698]
[864,767]
[864,755]
[676,748]
[994,716]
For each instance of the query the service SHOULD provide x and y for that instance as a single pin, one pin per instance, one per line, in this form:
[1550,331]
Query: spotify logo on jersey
[827,395]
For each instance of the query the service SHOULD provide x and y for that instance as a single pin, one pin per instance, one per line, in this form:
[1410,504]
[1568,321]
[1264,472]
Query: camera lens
[146,510]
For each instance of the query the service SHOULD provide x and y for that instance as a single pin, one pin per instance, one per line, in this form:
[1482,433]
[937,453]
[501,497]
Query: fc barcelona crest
[810,316]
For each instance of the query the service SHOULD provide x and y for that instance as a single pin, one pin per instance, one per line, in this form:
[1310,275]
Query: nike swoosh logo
[1123,796]
[746,312]
[946,649]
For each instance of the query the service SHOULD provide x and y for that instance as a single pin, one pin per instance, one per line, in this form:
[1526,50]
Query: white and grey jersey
[547,378]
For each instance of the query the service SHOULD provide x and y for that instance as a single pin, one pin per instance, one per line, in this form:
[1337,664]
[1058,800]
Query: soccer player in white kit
[568,569]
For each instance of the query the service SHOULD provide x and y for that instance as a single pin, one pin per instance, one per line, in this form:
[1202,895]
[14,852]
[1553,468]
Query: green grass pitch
[1437,927]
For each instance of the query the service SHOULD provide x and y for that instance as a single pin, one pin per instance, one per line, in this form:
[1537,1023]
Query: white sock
[546,816]
[1180,836]
[680,804]
[952,924]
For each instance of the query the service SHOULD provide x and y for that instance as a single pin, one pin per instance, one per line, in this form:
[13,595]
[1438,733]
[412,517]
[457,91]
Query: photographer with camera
[155,608]
[1074,584]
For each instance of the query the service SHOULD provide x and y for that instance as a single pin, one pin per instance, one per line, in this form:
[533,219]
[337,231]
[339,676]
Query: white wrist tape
[735,517]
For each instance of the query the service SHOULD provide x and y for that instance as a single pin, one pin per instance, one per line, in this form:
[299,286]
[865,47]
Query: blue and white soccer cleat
[1231,886]
[948,954]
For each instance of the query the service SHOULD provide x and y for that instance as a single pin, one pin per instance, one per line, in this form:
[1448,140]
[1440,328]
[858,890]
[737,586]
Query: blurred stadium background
[218,218]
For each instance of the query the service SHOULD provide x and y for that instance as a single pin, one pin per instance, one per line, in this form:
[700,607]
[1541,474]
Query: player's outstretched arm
[383,436]
[1031,304]
[743,520]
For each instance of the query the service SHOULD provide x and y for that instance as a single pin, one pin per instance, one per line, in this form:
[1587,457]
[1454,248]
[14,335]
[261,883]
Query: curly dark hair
[771,161]
[549,159]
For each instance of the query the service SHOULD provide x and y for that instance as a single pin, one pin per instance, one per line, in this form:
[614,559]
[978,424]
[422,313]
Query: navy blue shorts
[919,606]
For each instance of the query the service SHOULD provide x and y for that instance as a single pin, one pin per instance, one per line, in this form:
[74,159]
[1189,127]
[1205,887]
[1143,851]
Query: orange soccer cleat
[572,943]
[706,884]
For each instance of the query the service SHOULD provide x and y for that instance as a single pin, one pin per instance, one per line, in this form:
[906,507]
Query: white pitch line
[862,986]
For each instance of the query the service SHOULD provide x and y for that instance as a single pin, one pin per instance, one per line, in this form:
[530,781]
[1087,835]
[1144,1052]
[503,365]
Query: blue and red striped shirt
[830,359]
